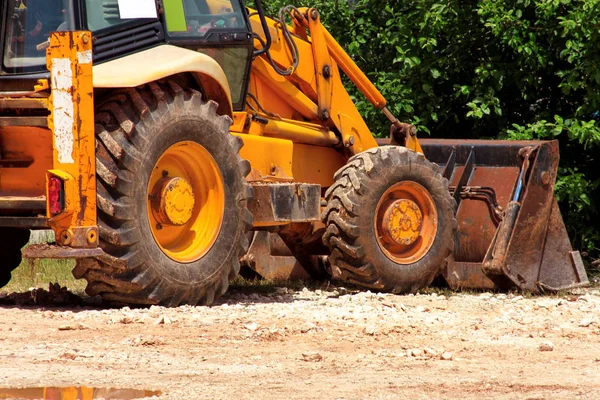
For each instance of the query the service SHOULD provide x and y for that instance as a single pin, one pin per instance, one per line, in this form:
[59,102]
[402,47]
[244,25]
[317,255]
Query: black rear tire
[133,129]
[11,242]
[352,201]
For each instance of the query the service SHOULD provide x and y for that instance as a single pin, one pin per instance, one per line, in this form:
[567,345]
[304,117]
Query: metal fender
[164,61]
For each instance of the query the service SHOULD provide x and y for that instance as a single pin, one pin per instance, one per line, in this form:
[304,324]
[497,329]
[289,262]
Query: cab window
[105,14]
[200,18]
[28,28]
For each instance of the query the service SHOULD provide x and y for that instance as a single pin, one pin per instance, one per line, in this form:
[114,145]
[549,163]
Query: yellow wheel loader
[169,142]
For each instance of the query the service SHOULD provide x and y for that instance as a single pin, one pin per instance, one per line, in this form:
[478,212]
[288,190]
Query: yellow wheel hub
[402,222]
[186,201]
[173,201]
[406,222]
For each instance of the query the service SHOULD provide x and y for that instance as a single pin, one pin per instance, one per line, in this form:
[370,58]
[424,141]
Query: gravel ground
[316,344]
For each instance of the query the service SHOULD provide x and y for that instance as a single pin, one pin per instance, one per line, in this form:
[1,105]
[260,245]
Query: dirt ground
[316,344]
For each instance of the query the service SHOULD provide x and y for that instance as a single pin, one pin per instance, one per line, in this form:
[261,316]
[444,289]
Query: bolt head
[349,141]
[545,178]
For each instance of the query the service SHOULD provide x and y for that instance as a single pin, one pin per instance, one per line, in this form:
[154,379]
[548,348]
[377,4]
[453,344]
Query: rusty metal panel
[269,257]
[467,275]
[537,254]
[16,103]
[496,165]
[24,121]
[37,203]
[476,227]
[561,268]
[283,203]
[24,222]
[45,250]
[526,246]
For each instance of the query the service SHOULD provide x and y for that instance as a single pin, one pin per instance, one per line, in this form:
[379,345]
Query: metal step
[23,203]
[38,121]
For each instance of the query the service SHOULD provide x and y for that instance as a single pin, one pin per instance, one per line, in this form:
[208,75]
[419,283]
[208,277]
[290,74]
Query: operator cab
[218,28]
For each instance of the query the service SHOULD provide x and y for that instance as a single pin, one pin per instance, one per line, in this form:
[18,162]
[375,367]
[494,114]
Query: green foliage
[518,69]
[40,273]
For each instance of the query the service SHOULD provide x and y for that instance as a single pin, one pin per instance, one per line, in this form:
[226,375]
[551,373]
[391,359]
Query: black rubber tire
[133,128]
[11,242]
[351,205]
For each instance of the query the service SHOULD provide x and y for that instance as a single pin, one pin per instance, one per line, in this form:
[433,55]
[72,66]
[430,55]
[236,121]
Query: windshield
[28,29]
[197,18]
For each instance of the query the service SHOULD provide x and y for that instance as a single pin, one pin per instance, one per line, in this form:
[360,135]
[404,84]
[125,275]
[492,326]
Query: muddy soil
[315,344]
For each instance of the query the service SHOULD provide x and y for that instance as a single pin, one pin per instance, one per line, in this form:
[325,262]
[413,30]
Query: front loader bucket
[510,231]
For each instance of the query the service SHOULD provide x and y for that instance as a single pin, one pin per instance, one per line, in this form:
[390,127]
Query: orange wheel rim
[186,201]
[406,222]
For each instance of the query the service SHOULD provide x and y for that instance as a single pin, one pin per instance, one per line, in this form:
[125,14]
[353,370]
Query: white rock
[308,327]
[430,352]
[446,356]
[68,327]
[584,323]
[251,327]
[546,346]
[416,352]
[162,320]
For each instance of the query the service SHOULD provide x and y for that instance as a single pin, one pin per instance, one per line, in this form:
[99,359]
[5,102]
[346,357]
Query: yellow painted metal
[316,164]
[239,121]
[412,143]
[194,165]
[269,86]
[300,132]
[173,201]
[71,121]
[166,60]
[323,64]
[406,222]
[277,93]
[355,74]
[32,143]
[281,160]
[270,158]
[303,76]
[402,221]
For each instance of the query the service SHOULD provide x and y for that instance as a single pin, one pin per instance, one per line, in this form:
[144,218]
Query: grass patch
[40,273]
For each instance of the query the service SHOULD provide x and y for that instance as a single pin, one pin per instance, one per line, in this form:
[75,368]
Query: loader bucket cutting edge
[510,230]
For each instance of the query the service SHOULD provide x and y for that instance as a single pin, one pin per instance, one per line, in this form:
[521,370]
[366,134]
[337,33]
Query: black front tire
[352,201]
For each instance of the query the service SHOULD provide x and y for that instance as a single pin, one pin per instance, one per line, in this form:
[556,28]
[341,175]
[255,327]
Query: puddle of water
[76,393]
